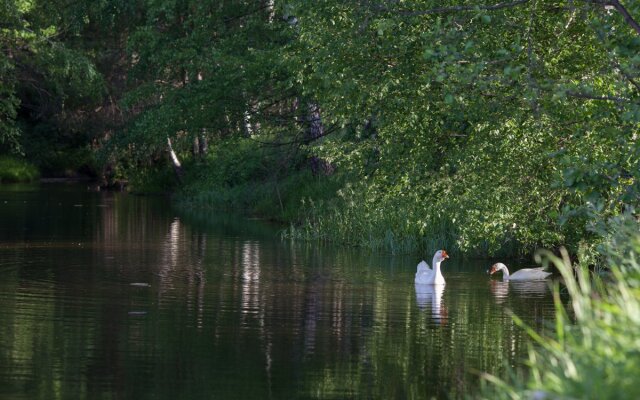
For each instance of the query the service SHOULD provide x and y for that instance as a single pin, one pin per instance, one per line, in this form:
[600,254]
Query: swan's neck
[505,273]
[436,267]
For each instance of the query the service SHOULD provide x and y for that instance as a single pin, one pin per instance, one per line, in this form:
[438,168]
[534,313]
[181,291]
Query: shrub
[16,170]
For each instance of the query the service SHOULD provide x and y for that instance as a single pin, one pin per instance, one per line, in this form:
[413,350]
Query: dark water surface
[112,296]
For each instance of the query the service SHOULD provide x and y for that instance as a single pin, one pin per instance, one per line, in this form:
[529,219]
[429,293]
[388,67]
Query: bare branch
[619,8]
[625,14]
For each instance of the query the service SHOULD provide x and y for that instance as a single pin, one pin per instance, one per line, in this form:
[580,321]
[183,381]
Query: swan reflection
[530,288]
[500,289]
[431,295]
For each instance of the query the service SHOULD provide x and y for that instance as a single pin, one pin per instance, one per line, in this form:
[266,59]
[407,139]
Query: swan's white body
[525,274]
[428,276]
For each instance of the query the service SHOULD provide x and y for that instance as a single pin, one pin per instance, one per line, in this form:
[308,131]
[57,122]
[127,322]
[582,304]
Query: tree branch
[617,65]
[247,14]
[625,14]
[304,140]
[619,8]
[626,75]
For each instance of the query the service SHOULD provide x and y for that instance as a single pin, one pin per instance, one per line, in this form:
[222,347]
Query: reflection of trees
[242,317]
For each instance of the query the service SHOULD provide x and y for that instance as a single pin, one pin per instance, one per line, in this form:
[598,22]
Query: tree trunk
[269,6]
[200,145]
[246,119]
[175,162]
[315,131]
[250,127]
[203,143]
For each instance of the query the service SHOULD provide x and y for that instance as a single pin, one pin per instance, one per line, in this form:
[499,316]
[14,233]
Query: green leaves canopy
[42,72]
[494,126]
[495,119]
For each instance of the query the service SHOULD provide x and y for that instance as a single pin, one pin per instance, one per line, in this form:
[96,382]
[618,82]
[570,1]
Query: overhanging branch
[628,18]
[625,14]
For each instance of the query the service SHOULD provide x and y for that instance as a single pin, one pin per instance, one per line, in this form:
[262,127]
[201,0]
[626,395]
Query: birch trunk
[175,162]
[315,131]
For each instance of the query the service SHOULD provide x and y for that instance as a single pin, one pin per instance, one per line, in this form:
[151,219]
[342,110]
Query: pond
[106,295]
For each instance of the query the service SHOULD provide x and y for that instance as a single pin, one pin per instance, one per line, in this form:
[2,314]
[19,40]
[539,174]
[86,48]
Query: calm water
[112,296]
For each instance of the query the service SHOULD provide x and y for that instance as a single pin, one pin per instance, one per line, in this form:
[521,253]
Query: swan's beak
[444,254]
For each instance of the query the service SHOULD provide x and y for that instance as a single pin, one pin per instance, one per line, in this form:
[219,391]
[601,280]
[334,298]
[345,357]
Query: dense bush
[242,175]
[17,170]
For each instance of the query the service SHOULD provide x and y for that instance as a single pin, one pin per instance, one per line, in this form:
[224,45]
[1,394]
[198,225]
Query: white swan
[428,276]
[525,274]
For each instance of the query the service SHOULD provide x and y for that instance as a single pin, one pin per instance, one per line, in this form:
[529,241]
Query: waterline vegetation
[593,350]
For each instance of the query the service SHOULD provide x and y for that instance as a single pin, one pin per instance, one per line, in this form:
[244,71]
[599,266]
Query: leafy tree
[45,80]
[495,113]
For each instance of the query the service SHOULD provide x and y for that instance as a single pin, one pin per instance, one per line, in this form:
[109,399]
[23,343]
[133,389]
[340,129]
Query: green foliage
[242,175]
[158,180]
[492,130]
[353,218]
[56,153]
[506,125]
[44,76]
[593,351]
[232,162]
[17,170]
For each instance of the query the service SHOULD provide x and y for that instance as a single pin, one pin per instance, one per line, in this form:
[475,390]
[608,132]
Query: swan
[428,276]
[525,274]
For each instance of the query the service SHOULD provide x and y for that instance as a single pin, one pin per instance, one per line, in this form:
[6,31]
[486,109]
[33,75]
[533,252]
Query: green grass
[242,176]
[351,219]
[17,170]
[594,350]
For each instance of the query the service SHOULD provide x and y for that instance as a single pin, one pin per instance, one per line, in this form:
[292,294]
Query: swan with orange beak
[428,276]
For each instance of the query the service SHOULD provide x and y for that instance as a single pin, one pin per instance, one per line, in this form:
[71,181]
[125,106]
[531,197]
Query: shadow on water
[106,295]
